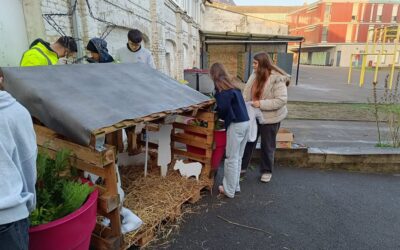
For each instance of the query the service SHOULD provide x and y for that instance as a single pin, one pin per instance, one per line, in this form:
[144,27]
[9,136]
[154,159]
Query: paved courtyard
[329,84]
[300,209]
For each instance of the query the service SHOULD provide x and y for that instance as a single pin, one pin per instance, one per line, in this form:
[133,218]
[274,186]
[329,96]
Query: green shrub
[58,193]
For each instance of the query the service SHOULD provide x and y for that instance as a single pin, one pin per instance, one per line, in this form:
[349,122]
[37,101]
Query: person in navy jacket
[232,109]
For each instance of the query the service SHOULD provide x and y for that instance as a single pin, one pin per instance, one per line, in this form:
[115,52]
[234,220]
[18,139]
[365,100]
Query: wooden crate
[284,138]
[195,136]
[101,164]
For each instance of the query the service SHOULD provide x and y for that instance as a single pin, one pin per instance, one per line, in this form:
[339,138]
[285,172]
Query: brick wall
[159,20]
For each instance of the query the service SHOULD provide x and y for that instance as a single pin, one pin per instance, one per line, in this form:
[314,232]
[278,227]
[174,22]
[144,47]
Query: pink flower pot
[70,232]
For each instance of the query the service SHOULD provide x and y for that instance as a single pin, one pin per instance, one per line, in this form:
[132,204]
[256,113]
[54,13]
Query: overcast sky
[273,2]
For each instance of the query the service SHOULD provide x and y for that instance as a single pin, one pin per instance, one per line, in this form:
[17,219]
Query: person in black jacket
[98,50]
[232,109]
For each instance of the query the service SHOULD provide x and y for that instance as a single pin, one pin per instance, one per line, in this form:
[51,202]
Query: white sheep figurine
[188,169]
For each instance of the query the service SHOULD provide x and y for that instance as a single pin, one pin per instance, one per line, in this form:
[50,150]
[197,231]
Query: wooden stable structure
[102,162]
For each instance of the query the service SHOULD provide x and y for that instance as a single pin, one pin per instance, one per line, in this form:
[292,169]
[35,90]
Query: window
[372,12]
[394,13]
[354,11]
[327,15]
[379,13]
[324,33]
[310,28]
[383,57]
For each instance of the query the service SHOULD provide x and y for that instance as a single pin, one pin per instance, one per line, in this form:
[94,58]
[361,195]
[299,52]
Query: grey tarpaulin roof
[74,100]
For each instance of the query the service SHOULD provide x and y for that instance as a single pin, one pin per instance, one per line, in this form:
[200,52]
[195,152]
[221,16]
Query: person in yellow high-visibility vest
[42,53]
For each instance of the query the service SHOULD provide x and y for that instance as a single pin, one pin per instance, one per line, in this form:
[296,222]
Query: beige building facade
[220,18]
[170,27]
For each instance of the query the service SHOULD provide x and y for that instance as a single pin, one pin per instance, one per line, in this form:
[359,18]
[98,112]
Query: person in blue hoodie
[18,152]
[232,109]
[99,51]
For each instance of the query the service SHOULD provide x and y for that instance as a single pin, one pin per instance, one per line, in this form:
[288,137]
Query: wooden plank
[153,127]
[115,221]
[151,117]
[99,243]
[206,116]
[93,169]
[195,197]
[190,140]
[111,185]
[115,139]
[102,190]
[77,163]
[151,145]
[120,141]
[49,139]
[107,203]
[191,156]
[195,110]
[192,128]
[120,125]
[102,231]
[175,213]
[146,238]
[111,179]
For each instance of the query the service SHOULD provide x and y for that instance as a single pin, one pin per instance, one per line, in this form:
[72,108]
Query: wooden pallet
[101,164]
[144,237]
[195,136]
[193,109]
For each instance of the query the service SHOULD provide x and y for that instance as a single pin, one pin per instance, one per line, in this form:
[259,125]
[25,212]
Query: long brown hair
[265,67]
[222,80]
[1,79]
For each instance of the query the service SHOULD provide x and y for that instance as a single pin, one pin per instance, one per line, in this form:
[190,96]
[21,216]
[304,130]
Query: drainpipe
[75,29]
[298,65]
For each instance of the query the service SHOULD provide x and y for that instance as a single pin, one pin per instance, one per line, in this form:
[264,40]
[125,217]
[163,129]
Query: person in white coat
[266,89]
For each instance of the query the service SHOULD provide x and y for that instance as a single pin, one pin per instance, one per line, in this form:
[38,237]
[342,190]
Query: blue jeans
[15,235]
[236,139]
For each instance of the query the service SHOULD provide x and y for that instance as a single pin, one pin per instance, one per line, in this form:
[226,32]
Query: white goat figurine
[188,169]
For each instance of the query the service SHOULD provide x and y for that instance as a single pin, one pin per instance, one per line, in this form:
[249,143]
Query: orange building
[334,29]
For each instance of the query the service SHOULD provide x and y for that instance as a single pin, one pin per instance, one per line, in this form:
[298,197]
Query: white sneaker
[266,177]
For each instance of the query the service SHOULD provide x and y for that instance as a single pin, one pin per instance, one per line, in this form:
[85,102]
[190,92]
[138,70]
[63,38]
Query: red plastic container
[219,150]
[70,232]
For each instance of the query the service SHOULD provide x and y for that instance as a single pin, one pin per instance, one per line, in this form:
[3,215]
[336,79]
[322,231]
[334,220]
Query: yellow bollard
[350,69]
[396,43]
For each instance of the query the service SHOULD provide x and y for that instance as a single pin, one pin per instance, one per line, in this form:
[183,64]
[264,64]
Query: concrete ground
[339,136]
[300,209]
[329,84]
